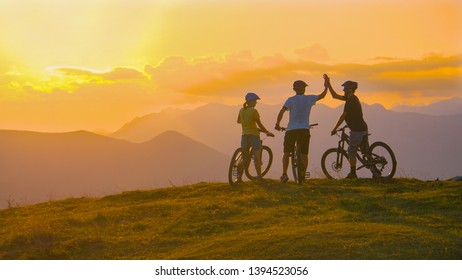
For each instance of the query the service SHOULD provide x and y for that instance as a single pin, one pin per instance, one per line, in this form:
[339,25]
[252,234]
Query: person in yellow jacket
[249,118]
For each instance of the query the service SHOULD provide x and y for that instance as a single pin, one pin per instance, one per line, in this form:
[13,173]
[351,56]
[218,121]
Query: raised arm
[331,90]
[324,92]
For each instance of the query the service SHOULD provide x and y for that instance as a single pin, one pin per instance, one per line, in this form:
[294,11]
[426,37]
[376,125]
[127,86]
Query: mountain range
[451,106]
[37,167]
[426,146]
[178,147]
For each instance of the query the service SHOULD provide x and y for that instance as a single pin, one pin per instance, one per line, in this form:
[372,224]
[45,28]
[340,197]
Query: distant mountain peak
[171,136]
[377,106]
[451,106]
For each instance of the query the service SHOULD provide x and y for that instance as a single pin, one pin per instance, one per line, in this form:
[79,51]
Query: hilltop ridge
[324,219]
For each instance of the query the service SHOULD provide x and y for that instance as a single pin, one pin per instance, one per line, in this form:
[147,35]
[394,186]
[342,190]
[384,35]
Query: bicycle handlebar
[311,126]
[261,131]
[342,128]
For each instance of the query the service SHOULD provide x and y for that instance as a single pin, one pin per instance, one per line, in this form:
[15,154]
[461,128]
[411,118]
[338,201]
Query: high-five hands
[326,80]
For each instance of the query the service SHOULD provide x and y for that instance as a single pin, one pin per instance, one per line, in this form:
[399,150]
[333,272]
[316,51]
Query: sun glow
[129,58]
[96,35]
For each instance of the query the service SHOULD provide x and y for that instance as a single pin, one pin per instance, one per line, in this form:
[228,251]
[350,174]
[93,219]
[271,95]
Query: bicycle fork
[341,147]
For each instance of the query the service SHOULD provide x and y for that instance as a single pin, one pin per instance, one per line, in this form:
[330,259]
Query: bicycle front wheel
[266,161]
[297,167]
[383,159]
[294,162]
[335,164]
[236,167]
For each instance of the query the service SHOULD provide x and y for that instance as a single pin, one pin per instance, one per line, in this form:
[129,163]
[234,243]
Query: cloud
[86,98]
[116,74]
[432,75]
[180,74]
[88,106]
[385,58]
[73,98]
[314,53]
[4,79]
[227,75]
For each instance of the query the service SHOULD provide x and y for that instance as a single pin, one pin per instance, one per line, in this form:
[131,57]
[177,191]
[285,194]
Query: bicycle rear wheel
[384,161]
[236,167]
[266,161]
[334,163]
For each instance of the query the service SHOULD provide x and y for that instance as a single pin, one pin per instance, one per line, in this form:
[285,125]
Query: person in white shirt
[298,129]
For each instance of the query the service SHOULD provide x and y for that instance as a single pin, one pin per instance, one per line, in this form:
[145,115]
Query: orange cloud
[72,98]
[86,99]
[179,74]
[313,53]
[89,106]
[433,75]
[230,75]
[115,74]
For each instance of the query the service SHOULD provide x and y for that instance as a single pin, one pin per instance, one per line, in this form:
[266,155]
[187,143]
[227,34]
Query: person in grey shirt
[298,129]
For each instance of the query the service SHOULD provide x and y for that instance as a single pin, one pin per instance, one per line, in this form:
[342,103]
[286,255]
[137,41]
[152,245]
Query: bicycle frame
[295,157]
[248,157]
[341,146]
[377,157]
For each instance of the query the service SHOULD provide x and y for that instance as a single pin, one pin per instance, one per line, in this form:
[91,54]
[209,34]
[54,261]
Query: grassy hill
[324,219]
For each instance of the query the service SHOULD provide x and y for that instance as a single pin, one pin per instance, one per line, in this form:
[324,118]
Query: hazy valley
[38,167]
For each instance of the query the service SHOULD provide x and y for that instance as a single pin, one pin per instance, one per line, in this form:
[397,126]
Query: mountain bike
[241,164]
[297,162]
[378,158]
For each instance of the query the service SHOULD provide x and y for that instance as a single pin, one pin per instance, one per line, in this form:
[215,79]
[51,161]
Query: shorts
[356,139]
[248,141]
[300,136]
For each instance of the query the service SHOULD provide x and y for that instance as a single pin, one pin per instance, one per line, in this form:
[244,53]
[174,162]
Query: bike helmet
[250,96]
[300,83]
[350,84]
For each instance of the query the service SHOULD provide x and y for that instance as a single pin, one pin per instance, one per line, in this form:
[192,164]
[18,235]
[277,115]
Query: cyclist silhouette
[353,116]
[298,129]
[249,118]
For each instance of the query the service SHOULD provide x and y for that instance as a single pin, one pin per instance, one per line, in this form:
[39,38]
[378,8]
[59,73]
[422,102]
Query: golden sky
[96,64]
